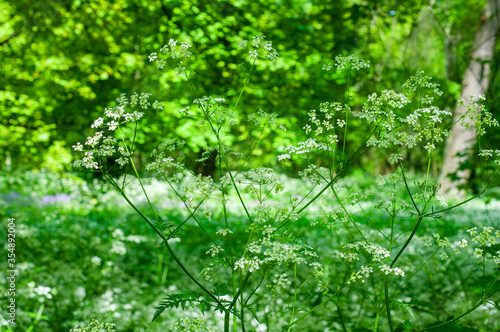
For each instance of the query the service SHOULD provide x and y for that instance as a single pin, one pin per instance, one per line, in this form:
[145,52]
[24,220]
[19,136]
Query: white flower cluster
[252,264]
[262,118]
[214,250]
[331,218]
[43,291]
[163,164]
[419,83]
[186,324]
[95,325]
[208,101]
[261,176]
[118,247]
[118,234]
[96,260]
[259,44]
[224,232]
[377,253]
[364,271]
[99,147]
[476,115]
[491,154]
[173,51]
[280,282]
[317,268]
[380,108]
[349,62]
[213,110]
[324,123]
[487,238]
[269,252]
[394,271]
[425,122]
[307,148]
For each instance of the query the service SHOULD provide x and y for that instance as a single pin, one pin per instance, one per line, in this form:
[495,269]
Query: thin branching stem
[169,248]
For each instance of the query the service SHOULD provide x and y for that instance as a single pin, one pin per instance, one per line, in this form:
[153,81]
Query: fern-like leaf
[175,300]
[220,290]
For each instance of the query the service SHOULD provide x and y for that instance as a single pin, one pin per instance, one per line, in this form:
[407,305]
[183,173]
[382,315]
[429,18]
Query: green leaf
[175,300]
[220,290]
[404,306]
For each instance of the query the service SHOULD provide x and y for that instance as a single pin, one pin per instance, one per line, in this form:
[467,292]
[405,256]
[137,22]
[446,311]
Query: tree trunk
[460,144]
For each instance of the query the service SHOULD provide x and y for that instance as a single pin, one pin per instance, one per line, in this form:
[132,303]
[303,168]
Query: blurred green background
[64,61]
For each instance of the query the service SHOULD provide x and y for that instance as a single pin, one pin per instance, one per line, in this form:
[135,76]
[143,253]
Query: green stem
[294,296]
[419,220]
[457,318]
[165,241]
[484,270]
[408,188]
[348,214]
[346,119]
[235,292]
[227,318]
[310,311]
[137,175]
[191,212]
[375,327]
[414,273]
[256,288]
[245,280]
[244,84]
[356,155]
[236,188]
[339,311]
[387,301]
[242,308]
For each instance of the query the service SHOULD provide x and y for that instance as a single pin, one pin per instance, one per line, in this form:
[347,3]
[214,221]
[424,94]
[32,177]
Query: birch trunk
[460,144]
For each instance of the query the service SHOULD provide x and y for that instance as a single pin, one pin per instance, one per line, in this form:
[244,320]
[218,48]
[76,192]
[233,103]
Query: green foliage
[95,326]
[182,299]
[193,299]
[66,245]
[64,61]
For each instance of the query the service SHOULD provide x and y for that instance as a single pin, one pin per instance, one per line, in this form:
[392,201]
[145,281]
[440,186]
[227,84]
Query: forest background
[63,62]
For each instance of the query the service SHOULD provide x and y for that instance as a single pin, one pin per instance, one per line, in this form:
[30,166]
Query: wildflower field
[84,255]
